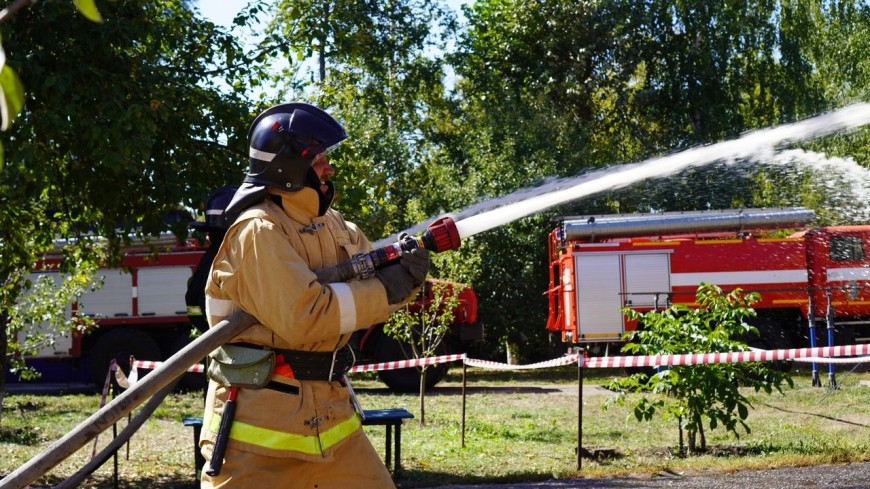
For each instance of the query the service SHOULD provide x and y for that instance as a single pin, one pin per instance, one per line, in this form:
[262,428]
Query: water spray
[764,142]
[441,235]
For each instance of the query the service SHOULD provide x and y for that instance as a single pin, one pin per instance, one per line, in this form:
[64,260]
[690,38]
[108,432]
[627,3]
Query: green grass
[520,426]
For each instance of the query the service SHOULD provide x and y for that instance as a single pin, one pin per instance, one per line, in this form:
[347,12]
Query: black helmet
[215,205]
[284,140]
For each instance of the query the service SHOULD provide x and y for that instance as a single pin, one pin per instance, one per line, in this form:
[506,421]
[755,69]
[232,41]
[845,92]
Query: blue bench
[198,459]
[389,418]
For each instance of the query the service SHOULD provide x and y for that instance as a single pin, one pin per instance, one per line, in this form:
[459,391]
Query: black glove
[400,279]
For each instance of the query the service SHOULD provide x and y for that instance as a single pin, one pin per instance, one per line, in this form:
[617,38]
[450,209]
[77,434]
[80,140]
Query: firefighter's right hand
[400,279]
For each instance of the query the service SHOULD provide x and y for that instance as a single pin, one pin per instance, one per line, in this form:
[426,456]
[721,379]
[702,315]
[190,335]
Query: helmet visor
[331,148]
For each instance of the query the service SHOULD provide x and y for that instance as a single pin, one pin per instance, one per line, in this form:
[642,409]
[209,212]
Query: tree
[377,73]
[421,329]
[553,88]
[695,393]
[124,123]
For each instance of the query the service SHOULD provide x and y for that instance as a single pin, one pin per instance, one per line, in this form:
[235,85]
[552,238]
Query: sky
[221,12]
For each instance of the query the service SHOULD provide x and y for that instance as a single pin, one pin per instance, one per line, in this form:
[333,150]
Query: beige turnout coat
[265,268]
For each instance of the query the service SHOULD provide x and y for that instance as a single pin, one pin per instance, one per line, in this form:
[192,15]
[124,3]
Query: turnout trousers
[355,465]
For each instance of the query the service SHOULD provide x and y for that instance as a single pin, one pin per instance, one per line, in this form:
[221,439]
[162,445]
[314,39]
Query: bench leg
[387,451]
[398,458]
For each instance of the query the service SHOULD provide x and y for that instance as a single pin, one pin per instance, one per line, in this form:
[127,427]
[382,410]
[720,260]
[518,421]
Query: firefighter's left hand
[400,279]
[416,262]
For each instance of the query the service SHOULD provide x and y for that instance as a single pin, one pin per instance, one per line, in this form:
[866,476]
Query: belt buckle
[332,364]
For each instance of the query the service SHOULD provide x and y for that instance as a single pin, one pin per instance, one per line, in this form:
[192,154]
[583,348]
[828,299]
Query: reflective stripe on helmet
[261,155]
[279,440]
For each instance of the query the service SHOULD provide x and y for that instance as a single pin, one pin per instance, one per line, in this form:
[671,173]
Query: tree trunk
[513,351]
[423,396]
[323,40]
[680,428]
[4,347]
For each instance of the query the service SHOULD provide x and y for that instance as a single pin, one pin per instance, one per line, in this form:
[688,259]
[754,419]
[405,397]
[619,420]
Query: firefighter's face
[323,169]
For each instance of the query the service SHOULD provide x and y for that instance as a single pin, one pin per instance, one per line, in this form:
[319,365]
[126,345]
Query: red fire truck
[140,311]
[814,283]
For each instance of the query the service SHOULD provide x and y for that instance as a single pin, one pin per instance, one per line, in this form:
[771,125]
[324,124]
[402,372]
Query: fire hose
[123,437]
[441,235]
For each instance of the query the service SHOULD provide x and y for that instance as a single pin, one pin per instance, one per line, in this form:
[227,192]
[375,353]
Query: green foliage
[420,329]
[12,99]
[89,9]
[693,394]
[125,122]
[43,312]
[377,75]
[11,89]
[125,107]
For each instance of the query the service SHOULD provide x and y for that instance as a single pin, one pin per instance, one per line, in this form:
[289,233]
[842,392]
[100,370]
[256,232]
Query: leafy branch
[11,88]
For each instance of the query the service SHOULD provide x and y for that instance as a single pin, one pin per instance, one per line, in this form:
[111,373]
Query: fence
[827,354]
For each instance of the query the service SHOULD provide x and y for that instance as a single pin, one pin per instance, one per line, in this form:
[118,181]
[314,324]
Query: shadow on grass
[26,435]
[417,479]
[823,416]
[107,482]
[455,391]
[407,479]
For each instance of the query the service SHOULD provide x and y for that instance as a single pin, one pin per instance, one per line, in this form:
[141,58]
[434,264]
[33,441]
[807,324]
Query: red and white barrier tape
[844,361]
[566,360]
[819,355]
[151,365]
[417,362]
[731,357]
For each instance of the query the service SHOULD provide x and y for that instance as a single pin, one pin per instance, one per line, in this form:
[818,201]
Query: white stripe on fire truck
[846,274]
[738,278]
[346,306]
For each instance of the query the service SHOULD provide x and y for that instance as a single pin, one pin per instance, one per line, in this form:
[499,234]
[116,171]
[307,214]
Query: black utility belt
[328,366]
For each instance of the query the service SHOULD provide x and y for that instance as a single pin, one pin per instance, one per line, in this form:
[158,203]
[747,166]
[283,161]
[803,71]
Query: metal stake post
[829,319]
[464,373]
[812,325]
[580,361]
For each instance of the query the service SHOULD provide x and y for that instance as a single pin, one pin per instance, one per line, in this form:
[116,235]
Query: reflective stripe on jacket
[277,440]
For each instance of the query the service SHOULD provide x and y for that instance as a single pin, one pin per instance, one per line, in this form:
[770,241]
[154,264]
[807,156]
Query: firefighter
[215,226]
[300,430]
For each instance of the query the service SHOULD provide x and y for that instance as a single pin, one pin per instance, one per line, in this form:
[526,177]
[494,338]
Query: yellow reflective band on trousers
[278,440]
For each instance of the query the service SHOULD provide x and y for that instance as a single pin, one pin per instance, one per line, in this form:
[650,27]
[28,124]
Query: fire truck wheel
[406,380]
[120,344]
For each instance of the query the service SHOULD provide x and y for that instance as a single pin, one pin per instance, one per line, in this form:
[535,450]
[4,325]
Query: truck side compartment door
[647,280]
[599,297]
